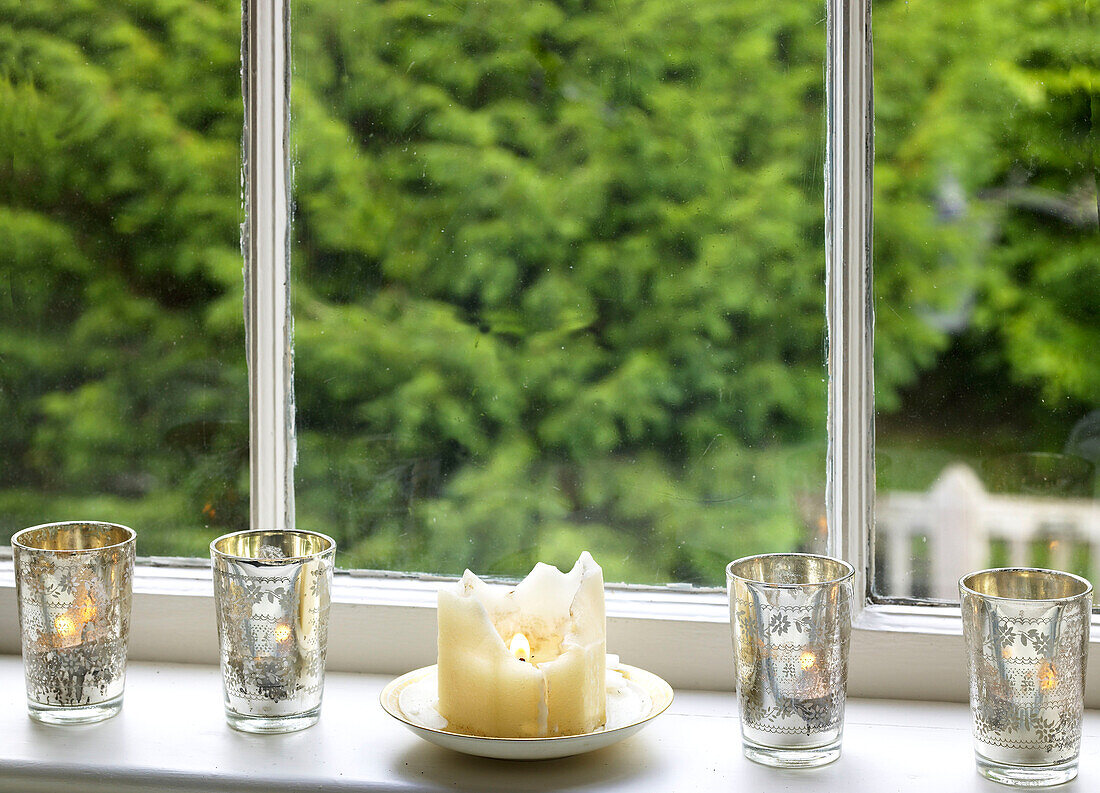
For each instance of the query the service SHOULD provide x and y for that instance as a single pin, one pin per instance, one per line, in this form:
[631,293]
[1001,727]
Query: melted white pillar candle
[484,689]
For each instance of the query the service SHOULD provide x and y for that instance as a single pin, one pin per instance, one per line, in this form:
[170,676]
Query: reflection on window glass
[558,282]
[987,289]
[123,383]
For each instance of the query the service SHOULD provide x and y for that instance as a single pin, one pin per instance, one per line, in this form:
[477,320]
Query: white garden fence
[926,541]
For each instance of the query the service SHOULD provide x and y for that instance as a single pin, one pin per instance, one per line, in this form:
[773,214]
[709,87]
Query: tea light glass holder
[73,585]
[791,620]
[272,591]
[1027,634]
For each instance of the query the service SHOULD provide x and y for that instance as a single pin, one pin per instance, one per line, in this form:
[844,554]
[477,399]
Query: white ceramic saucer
[634,698]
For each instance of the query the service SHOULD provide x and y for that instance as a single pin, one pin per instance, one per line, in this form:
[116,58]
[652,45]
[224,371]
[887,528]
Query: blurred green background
[558,268]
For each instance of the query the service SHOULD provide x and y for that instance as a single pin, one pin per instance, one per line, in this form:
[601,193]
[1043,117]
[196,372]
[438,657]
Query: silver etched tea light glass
[73,586]
[791,619]
[272,593]
[1027,634]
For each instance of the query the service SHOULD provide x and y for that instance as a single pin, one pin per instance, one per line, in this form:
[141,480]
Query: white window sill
[171,735]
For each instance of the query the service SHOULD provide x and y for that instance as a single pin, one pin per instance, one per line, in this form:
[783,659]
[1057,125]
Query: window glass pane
[987,288]
[558,282]
[123,382]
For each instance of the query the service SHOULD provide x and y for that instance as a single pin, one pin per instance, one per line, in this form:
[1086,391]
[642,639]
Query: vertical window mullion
[264,243]
[849,160]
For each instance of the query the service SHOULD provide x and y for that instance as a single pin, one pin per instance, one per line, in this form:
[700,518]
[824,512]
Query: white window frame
[385,622]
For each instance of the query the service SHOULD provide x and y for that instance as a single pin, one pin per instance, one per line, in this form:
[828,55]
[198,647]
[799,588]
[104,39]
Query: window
[332,259]
[558,283]
[986,291]
[555,286]
[122,382]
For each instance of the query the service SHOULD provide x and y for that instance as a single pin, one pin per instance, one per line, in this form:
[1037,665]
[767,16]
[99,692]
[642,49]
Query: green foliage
[558,266]
[121,377]
[563,262]
[986,144]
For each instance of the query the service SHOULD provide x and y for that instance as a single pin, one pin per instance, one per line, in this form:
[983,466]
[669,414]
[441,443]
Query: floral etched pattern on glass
[790,615]
[272,591]
[73,583]
[1027,636]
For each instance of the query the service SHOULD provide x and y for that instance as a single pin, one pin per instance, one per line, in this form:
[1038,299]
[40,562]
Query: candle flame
[1048,679]
[520,647]
[64,625]
[86,609]
[282,632]
[807,661]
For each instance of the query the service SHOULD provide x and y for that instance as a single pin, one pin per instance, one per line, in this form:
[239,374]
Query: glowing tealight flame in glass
[807,661]
[520,647]
[86,611]
[1048,679]
[64,625]
[282,632]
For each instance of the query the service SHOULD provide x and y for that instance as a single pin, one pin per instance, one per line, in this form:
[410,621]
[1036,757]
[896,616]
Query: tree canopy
[558,267]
